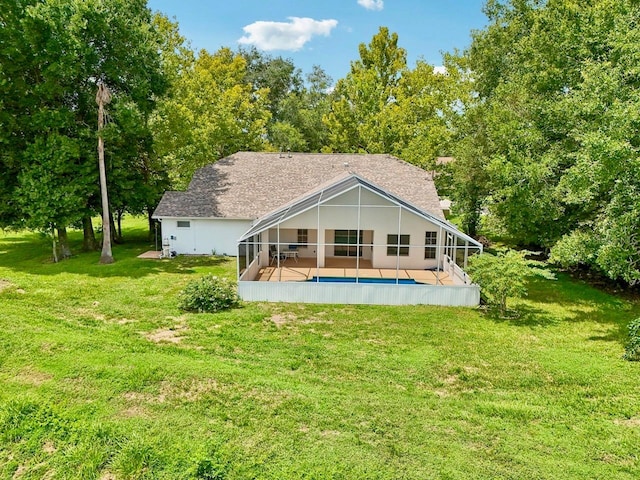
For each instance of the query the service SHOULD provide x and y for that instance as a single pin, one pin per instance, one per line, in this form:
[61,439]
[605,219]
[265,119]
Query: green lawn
[101,376]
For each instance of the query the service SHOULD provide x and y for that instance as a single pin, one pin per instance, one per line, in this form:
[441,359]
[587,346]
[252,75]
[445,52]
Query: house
[325,228]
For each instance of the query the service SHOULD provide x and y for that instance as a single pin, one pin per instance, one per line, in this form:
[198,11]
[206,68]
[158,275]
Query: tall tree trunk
[114,232]
[63,240]
[152,224]
[120,214]
[89,242]
[103,96]
[54,246]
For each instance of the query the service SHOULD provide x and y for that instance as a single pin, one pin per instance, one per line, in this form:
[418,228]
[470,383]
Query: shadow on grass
[31,253]
[529,316]
[565,290]
[566,300]
[521,316]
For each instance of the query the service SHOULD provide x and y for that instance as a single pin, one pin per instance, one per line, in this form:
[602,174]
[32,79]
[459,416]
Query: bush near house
[209,294]
[502,275]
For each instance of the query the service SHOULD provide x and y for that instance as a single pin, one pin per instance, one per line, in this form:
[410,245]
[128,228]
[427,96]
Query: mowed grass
[101,376]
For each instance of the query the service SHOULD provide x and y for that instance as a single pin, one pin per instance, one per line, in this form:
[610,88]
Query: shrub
[208,469]
[501,276]
[632,349]
[208,294]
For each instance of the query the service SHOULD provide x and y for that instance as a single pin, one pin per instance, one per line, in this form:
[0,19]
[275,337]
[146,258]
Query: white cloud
[285,36]
[372,4]
[442,70]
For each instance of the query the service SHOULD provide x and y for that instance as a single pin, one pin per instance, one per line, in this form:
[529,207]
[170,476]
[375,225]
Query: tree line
[540,113]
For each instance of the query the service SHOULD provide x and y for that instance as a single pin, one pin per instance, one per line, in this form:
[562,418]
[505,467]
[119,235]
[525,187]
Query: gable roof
[250,184]
[334,189]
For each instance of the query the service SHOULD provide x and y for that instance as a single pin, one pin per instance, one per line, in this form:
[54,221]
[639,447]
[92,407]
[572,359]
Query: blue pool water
[401,281]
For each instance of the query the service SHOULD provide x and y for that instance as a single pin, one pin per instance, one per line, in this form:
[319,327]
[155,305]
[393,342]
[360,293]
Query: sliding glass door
[346,243]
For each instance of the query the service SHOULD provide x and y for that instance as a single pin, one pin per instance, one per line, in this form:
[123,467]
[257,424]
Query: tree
[501,276]
[299,125]
[557,113]
[382,106]
[210,112]
[277,75]
[47,189]
[103,97]
[359,120]
[58,52]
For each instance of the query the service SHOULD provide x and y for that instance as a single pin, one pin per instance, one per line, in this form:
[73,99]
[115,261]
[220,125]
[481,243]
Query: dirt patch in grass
[190,391]
[4,284]
[135,411]
[173,334]
[281,319]
[628,422]
[21,470]
[87,312]
[33,377]
[49,447]
[311,320]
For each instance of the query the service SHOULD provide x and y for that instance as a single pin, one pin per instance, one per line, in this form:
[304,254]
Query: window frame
[352,244]
[430,245]
[303,237]
[393,243]
[188,224]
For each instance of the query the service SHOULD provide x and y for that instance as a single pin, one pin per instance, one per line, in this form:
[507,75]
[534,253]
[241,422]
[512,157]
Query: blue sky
[326,32]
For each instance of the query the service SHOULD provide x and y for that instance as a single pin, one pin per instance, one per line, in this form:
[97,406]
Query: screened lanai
[352,231]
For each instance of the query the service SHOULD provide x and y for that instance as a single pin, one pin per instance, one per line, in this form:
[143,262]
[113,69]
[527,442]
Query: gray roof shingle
[250,184]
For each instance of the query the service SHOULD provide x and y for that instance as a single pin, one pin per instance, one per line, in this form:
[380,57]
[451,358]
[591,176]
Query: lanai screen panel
[339,188]
[417,211]
[301,206]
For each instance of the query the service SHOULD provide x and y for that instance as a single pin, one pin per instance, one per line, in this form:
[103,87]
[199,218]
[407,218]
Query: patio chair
[273,251]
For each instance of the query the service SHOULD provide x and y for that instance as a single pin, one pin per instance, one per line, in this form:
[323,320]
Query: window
[392,245]
[184,224]
[430,240]
[303,237]
[347,243]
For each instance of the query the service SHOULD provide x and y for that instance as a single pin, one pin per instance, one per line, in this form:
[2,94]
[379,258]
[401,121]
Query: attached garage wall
[204,236]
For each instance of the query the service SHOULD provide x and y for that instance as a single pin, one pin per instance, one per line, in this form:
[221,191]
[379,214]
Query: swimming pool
[401,281]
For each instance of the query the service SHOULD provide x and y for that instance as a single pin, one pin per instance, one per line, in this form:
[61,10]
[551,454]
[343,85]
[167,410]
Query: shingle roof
[343,184]
[250,184]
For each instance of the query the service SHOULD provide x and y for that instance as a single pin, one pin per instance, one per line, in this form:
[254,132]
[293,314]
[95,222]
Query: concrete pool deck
[302,274]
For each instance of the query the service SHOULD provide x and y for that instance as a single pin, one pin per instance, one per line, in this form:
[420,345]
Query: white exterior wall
[388,222]
[204,236]
[377,216]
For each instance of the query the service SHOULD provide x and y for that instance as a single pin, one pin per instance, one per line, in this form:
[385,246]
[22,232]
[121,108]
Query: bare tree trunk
[114,232]
[152,223]
[89,242]
[106,256]
[54,246]
[120,214]
[63,240]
